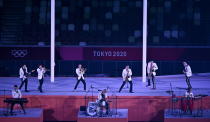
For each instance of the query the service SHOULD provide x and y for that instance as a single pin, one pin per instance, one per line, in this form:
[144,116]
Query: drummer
[187,102]
[189,93]
[102,100]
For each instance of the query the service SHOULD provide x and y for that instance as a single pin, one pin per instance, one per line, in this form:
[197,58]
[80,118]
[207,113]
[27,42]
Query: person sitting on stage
[151,72]
[16,93]
[102,100]
[80,71]
[187,101]
[126,75]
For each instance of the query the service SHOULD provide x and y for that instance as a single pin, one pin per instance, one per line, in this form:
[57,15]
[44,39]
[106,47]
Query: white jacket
[188,71]
[126,73]
[16,94]
[151,68]
[40,73]
[80,74]
[21,72]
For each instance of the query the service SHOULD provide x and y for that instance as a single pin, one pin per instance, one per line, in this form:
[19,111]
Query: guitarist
[80,71]
[126,75]
[151,72]
[23,73]
[188,73]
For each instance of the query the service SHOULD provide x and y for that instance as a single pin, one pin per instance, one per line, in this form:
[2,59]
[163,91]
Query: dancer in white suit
[41,71]
[126,75]
[151,73]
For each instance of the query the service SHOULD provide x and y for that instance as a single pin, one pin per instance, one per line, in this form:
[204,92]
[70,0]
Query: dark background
[172,24]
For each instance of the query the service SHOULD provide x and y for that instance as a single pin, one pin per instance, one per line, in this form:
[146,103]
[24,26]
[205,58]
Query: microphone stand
[116,105]
[92,91]
[172,99]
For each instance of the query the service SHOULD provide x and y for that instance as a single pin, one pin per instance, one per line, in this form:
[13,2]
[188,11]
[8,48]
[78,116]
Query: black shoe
[147,85]
[26,91]
[131,92]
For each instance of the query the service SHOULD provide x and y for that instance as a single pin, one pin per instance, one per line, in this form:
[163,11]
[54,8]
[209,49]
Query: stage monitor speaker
[82,108]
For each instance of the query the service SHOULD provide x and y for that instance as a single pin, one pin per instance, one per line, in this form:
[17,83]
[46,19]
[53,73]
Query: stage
[61,103]
[168,117]
[65,85]
[32,115]
[121,115]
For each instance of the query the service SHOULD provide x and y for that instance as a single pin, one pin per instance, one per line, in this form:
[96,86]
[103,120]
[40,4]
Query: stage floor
[205,114]
[65,85]
[30,112]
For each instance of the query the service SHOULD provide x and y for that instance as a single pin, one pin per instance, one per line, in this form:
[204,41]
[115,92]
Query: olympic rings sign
[19,53]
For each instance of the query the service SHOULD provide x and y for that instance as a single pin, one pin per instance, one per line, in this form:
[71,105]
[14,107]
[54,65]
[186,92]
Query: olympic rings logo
[19,53]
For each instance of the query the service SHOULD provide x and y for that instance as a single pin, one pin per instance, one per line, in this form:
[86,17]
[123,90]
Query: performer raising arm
[80,71]
[126,75]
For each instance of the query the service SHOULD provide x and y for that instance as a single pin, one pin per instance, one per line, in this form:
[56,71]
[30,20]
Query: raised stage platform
[168,117]
[32,115]
[61,103]
[120,116]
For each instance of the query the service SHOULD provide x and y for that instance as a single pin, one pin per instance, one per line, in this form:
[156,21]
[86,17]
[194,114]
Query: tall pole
[52,44]
[144,57]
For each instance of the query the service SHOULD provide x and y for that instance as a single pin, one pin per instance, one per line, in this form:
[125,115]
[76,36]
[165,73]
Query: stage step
[32,115]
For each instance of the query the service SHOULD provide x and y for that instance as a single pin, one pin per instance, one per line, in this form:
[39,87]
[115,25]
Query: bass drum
[92,108]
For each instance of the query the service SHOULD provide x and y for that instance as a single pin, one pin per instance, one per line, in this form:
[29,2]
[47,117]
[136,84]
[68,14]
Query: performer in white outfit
[80,71]
[23,73]
[151,72]
[41,71]
[16,93]
[188,73]
[126,75]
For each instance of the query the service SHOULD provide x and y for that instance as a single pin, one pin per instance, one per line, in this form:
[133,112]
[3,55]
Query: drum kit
[95,109]
[100,108]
